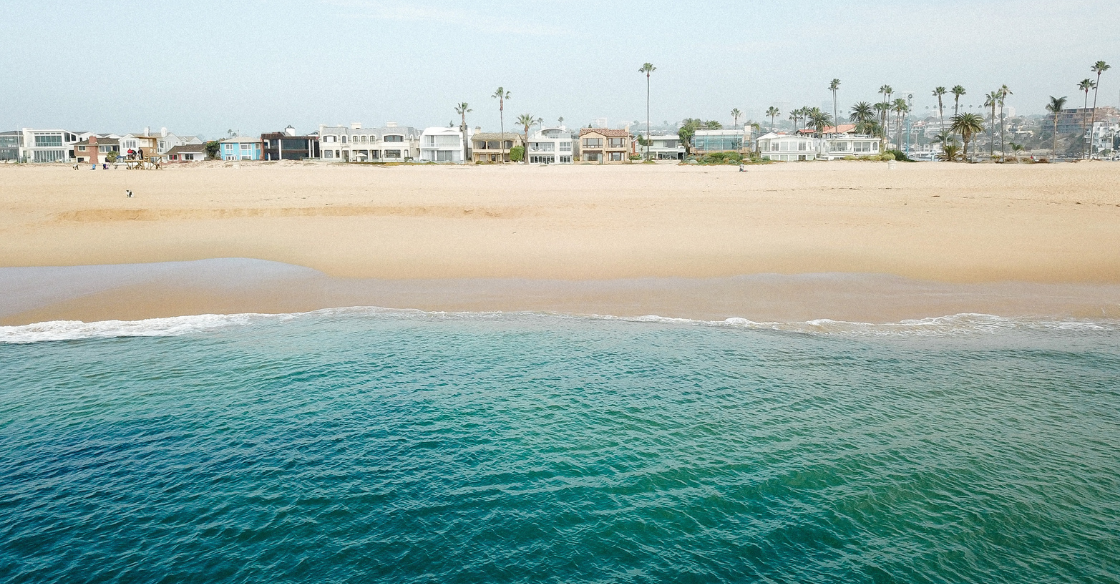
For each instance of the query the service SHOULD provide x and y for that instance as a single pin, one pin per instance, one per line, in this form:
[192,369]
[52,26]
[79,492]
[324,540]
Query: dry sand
[947,223]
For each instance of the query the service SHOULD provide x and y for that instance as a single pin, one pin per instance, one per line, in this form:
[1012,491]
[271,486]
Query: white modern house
[839,146]
[666,147]
[48,145]
[551,146]
[354,143]
[786,147]
[443,144]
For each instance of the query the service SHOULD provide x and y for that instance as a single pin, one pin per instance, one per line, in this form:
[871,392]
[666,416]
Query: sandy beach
[944,224]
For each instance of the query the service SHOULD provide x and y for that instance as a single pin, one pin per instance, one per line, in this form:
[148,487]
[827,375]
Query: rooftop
[606,132]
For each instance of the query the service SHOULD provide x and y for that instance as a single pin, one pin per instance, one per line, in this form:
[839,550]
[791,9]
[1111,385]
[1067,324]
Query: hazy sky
[257,65]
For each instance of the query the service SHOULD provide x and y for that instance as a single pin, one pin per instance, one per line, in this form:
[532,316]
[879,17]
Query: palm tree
[967,125]
[1004,91]
[463,109]
[862,113]
[939,92]
[560,120]
[900,109]
[502,95]
[957,92]
[1098,68]
[818,120]
[795,115]
[526,121]
[1055,107]
[773,112]
[647,69]
[834,87]
[886,91]
[992,99]
[883,109]
[1086,85]
[1017,149]
[949,151]
[735,113]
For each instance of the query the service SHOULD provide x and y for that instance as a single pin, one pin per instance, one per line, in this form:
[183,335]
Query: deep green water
[370,446]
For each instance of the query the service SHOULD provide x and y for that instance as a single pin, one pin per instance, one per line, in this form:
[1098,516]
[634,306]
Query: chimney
[355,126]
[390,124]
[290,130]
[163,132]
[147,131]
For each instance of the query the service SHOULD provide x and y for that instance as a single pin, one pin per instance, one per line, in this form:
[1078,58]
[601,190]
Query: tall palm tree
[560,120]
[992,99]
[1004,91]
[1055,107]
[900,109]
[463,109]
[883,109]
[647,69]
[502,95]
[735,113]
[957,91]
[526,121]
[1086,85]
[773,112]
[939,92]
[834,87]
[795,115]
[967,125]
[886,91]
[1098,68]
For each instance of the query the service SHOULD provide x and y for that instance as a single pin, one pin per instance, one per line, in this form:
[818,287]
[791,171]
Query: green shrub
[900,155]
[517,153]
[886,156]
[722,158]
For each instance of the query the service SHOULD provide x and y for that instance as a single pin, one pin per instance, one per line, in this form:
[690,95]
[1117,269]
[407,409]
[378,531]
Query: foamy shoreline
[244,286]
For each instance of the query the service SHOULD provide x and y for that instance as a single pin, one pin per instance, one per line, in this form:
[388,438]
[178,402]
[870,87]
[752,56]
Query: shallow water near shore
[407,446]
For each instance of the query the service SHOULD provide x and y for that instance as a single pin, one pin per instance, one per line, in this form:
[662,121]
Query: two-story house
[96,149]
[287,145]
[443,144]
[603,145]
[551,146]
[354,143]
[494,146]
[241,148]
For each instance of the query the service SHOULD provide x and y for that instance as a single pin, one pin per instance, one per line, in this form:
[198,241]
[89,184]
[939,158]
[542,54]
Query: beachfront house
[729,140]
[494,146]
[96,149]
[354,143]
[48,145]
[664,147]
[241,148]
[286,145]
[787,148]
[135,144]
[443,144]
[842,141]
[604,145]
[186,153]
[9,146]
[551,146]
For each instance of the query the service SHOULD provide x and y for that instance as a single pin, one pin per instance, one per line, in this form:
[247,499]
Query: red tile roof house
[602,145]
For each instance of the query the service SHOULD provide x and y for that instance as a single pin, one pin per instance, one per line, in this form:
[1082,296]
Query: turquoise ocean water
[391,446]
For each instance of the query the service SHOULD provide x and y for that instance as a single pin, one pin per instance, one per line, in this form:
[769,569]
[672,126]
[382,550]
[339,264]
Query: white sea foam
[950,325]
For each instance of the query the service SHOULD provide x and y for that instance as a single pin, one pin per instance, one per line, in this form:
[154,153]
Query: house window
[344,139]
[394,138]
[565,147]
[392,154]
[82,148]
[492,145]
[616,156]
[802,146]
[616,142]
[595,157]
[328,154]
[246,147]
[566,159]
[330,138]
[592,142]
[509,144]
[47,141]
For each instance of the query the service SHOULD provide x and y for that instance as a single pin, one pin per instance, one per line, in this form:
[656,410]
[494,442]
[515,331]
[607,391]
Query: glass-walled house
[48,145]
[709,141]
[9,146]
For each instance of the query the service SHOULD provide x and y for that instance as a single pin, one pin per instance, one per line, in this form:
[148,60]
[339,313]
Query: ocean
[372,445]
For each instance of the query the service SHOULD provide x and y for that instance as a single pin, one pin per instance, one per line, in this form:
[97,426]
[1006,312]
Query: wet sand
[846,240]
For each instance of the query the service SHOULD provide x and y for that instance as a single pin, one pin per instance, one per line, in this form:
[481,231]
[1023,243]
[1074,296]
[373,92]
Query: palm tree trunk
[1054,147]
[647,115]
[1094,119]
